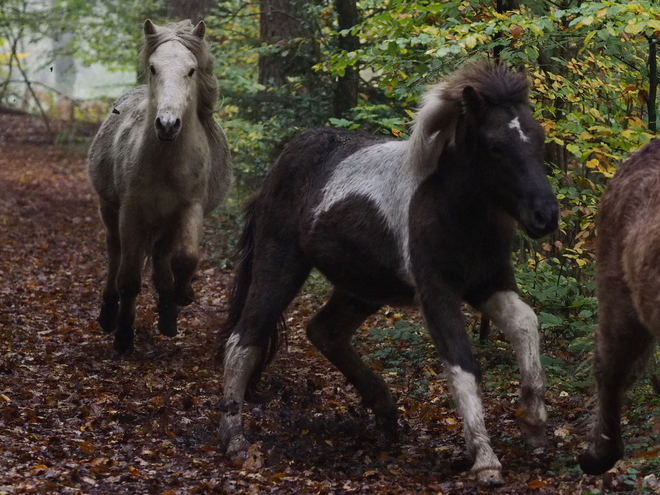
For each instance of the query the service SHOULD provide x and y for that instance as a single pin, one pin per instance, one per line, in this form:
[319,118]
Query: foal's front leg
[520,326]
[444,320]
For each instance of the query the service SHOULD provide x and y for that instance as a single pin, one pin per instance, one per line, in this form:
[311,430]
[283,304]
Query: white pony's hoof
[237,448]
[490,477]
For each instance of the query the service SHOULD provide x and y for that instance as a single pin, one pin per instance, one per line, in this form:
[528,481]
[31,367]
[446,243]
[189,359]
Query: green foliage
[404,350]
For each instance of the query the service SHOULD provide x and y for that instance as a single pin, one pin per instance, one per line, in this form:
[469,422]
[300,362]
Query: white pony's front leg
[467,393]
[520,326]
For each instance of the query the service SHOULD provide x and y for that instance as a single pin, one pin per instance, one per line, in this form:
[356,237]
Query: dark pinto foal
[429,221]
[628,290]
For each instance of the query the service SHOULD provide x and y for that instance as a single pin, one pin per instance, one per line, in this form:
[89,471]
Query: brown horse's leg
[520,325]
[622,347]
[186,255]
[330,331]
[110,305]
[278,274]
[164,282]
[129,278]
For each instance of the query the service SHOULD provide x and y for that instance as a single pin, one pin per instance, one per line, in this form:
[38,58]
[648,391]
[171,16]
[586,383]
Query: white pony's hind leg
[520,326]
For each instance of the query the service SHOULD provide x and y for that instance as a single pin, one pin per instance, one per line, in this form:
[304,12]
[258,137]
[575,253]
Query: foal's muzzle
[541,217]
[167,126]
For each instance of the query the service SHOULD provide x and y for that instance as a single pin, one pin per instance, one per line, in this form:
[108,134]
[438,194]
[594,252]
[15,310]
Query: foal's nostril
[159,124]
[177,125]
[540,218]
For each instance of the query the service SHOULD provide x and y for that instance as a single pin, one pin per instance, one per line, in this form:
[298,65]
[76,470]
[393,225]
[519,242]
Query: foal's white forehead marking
[379,174]
[515,124]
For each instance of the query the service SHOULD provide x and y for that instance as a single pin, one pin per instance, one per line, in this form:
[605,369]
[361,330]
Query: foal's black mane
[495,83]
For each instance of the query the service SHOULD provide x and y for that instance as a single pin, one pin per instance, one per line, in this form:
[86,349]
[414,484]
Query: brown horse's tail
[238,297]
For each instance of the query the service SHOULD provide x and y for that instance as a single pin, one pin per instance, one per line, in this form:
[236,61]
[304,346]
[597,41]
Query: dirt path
[74,420]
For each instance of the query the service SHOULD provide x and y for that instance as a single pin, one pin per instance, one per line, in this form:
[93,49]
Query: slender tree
[289,31]
[653,83]
[346,91]
[195,10]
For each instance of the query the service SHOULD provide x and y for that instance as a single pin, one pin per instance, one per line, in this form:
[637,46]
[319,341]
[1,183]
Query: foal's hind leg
[330,331]
[520,326]
[622,347]
[186,255]
[277,277]
[110,305]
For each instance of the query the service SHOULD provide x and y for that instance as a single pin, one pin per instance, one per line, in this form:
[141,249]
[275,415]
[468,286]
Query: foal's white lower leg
[240,362]
[467,393]
[520,326]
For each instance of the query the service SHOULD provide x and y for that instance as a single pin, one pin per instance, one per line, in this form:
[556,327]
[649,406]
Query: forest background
[288,65]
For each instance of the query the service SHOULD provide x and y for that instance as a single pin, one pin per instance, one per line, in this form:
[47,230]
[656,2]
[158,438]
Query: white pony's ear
[434,126]
[149,27]
[199,30]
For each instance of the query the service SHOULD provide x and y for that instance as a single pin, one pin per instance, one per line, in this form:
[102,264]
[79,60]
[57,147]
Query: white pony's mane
[433,128]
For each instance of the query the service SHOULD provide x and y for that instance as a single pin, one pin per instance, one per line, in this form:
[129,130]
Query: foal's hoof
[490,477]
[167,320]
[594,465]
[108,317]
[389,426]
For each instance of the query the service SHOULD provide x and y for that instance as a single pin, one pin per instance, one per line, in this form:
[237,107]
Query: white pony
[159,163]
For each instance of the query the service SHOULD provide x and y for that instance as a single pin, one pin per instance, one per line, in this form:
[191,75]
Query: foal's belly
[351,246]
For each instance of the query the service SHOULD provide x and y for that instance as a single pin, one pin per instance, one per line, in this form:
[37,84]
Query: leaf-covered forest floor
[75,420]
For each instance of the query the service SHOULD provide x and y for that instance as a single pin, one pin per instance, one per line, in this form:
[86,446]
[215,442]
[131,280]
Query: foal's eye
[152,69]
[496,149]
[192,71]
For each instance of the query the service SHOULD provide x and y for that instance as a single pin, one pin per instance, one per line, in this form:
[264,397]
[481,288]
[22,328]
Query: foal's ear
[149,27]
[472,100]
[199,30]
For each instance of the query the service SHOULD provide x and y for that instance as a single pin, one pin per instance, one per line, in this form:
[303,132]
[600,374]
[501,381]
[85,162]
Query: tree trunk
[653,84]
[346,91]
[284,24]
[195,10]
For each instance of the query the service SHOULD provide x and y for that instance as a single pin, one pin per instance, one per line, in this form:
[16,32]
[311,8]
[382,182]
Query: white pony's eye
[152,69]
[192,71]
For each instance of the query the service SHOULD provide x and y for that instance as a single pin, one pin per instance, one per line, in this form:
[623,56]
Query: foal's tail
[238,297]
